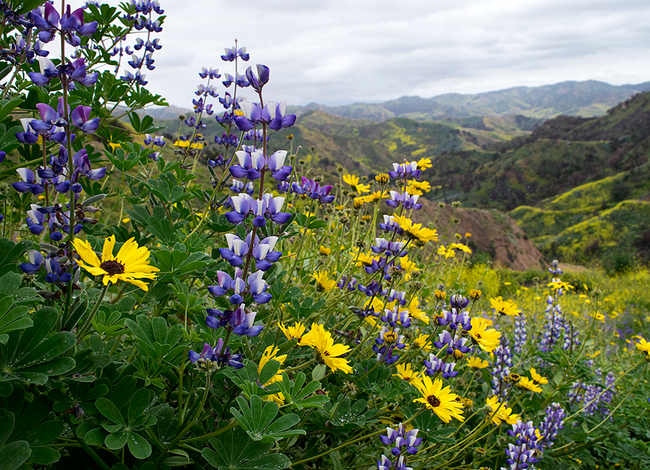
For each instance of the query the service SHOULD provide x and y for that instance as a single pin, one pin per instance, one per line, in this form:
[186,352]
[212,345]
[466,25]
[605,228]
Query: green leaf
[14,455]
[44,433]
[44,455]
[139,446]
[9,283]
[109,410]
[139,404]
[318,372]
[269,370]
[52,347]
[7,419]
[116,440]
[95,437]
[234,450]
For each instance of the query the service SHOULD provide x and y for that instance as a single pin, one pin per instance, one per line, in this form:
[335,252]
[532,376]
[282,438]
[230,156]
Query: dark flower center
[112,267]
[433,400]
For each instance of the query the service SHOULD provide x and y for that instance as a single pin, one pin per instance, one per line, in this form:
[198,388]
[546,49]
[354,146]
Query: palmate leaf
[256,420]
[234,450]
[296,395]
[31,356]
[12,318]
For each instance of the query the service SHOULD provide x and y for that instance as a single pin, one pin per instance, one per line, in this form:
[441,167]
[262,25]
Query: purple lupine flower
[389,225]
[552,424]
[35,261]
[390,248]
[264,254]
[521,333]
[523,453]
[281,120]
[237,248]
[29,182]
[55,273]
[35,220]
[82,165]
[258,81]
[457,301]
[409,202]
[501,368]
[397,296]
[405,170]
[384,463]
[81,118]
[395,317]
[242,323]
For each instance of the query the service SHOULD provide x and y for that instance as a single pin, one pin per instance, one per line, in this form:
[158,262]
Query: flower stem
[84,329]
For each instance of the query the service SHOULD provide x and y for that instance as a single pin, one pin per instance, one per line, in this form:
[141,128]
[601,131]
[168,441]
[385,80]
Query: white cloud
[335,51]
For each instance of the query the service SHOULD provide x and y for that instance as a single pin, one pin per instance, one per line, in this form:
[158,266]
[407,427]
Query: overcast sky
[343,51]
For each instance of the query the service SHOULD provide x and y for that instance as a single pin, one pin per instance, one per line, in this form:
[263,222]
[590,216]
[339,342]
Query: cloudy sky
[343,51]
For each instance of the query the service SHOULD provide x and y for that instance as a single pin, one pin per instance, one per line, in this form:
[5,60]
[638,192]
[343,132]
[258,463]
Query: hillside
[587,99]
[495,235]
[559,155]
[606,222]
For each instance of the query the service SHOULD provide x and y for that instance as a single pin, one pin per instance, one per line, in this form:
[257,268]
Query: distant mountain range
[588,98]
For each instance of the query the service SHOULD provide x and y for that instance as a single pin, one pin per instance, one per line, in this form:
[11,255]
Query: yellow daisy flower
[477,363]
[406,372]
[416,231]
[415,312]
[323,282]
[504,307]
[353,181]
[503,414]
[130,264]
[643,345]
[537,377]
[295,331]
[424,163]
[439,400]
[528,384]
[486,338]
[408,266]
[323,250]
[321,340]
[422,342]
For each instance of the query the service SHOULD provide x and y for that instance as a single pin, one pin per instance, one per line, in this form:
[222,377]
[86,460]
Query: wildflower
[416,231]
[487,339]
[324,250]
[293,332]
[557,284]
[382,178]
[439,400]
[211,359]
[406,372]
[439,294]
[537,378]
[418,188]
[422,341]
[353,181]
[504,307]
[424,163]
[323,282]
[528,384]
[329,352]
[503,413]
[475,294]
[130,264]
[461,247]
[415,312]
[408,267]
[553,420]
[643,345]
[477,363]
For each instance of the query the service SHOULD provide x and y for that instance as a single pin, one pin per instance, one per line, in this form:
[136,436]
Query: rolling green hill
[587,98]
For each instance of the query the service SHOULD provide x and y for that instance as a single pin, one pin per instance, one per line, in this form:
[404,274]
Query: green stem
[84,329]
